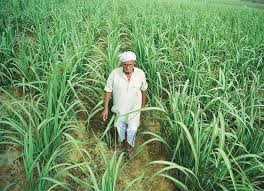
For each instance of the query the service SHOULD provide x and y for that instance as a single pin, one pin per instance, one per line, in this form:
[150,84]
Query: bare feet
[125,144]
[130,152]
[129,149]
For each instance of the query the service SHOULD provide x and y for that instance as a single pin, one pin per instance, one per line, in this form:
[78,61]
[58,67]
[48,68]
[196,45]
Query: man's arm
[144,95]
[106,102]
[108,92]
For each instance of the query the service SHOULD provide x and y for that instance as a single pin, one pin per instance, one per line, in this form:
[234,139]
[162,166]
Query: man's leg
[131,135]
[121,129]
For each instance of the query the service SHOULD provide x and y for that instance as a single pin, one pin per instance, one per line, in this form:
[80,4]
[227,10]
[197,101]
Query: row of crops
[204,65]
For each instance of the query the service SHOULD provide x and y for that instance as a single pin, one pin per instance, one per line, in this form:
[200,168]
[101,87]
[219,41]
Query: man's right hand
[105,114]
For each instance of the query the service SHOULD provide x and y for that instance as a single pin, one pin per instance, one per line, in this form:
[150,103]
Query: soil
[131,169]
[139,166]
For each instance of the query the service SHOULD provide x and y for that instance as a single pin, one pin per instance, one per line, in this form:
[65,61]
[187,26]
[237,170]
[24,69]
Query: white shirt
[127,96]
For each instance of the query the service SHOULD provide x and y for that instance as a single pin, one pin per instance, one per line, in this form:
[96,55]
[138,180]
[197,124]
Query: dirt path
[137,166]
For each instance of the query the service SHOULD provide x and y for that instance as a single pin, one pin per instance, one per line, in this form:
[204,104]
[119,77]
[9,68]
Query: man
[128,86]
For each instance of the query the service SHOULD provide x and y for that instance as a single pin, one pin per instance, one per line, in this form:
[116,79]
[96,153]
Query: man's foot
[128,149]
[125,144]
[130,152]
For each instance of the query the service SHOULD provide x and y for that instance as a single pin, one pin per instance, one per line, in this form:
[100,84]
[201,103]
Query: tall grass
[204,65]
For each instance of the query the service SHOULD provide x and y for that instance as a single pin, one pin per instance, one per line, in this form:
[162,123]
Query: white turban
[127,56]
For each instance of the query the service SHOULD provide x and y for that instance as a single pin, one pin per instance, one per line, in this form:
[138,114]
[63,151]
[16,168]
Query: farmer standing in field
[128,86]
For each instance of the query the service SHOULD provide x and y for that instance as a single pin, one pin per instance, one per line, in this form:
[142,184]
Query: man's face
[128,66]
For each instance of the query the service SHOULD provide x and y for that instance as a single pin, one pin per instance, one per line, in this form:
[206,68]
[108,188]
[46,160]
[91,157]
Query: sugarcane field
[119,95]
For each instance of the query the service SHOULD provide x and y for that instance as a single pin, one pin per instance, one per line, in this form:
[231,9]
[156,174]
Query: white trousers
[122,128]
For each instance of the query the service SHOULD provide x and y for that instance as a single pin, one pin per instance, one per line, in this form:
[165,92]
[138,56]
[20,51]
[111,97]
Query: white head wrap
[127,56]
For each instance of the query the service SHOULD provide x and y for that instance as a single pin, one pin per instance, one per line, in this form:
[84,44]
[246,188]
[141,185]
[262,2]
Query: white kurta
[127,95]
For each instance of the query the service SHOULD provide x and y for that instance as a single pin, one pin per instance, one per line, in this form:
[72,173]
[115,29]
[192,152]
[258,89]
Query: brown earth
[139,166]
[131,169]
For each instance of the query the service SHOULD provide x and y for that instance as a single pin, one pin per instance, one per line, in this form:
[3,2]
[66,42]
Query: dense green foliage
[204,65]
